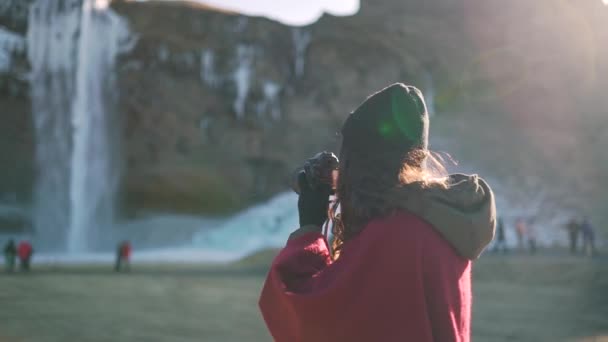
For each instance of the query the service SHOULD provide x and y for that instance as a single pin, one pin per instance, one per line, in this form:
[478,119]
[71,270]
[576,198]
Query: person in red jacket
[126,255]
[24,252]
[399,268]
[123,256]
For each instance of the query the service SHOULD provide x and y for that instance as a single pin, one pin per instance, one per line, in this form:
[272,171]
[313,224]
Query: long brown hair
[366,180]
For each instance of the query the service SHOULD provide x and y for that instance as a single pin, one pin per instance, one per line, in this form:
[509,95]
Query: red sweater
[24,250]
[398,280]
[125,251]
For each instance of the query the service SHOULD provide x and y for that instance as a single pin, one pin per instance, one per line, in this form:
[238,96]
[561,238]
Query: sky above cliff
[290,12]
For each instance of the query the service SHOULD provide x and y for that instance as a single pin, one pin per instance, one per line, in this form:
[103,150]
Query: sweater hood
[464,212]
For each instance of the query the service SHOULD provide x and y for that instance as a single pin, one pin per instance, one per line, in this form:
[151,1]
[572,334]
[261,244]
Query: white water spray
[301,39]
[208,74]
[271,101]
[266,225]
[72,47]
[242,78]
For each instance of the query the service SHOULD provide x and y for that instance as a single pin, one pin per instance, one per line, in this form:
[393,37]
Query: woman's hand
[312,203]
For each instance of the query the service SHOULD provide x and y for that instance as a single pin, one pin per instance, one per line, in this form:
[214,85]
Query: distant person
[25,251]
[123,256]
[10,255]
[501,242]
[126,255]
[531,235]
[573,229]
[520,230]
[588,237]
[400,265]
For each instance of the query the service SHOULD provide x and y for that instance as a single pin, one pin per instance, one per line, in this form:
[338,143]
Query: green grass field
[517,298]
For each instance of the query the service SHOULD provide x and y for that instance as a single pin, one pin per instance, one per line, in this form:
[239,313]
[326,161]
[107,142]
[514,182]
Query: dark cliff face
[508,80]
[16,137]
[217,108]
[14,13]
[191,122]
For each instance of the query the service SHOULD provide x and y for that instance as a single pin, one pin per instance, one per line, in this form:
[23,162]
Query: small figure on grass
[25,252]
[123,256]
[10,255]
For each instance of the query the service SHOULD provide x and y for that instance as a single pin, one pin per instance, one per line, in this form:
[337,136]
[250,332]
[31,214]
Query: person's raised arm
[306,251]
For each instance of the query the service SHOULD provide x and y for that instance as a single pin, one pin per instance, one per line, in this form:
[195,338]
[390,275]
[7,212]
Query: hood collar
[464,212]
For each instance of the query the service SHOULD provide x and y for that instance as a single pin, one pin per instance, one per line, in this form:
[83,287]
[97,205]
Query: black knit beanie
[393,121]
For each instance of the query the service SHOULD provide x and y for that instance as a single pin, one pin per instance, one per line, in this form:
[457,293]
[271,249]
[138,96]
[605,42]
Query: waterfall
[208,74]
[242,78]
[271,101]
[10,43]
[72,47]
[301,39]
[163,53]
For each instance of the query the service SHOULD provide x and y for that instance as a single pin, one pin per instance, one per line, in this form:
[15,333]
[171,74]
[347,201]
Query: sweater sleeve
[292,273]
[303,256]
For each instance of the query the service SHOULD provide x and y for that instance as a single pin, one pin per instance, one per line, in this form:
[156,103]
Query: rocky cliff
[16,131]
[217,107]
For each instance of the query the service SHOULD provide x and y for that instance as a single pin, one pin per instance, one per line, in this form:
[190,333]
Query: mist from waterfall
[72,48]
[265,225]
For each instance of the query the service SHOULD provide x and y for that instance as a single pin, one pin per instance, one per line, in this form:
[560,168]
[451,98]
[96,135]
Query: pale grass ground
[517,298]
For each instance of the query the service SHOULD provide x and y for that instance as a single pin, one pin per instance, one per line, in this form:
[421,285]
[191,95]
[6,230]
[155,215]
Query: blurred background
[174,125]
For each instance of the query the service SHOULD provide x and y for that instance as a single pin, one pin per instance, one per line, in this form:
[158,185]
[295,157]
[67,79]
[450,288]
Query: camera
[321,169]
